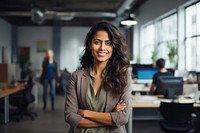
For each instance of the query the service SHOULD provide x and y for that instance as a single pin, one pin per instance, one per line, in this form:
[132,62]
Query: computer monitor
[171,70]
[145,75]
[135,68]
[169,86]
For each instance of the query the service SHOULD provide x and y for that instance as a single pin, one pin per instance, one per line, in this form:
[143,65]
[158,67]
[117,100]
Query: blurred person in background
[49,77]
[65,77]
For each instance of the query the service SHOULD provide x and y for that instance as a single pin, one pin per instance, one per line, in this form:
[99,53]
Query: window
[192,40]
[147,43]
[167,39]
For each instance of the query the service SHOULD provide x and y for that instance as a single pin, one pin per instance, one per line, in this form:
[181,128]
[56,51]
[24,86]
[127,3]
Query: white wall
[5,39]
[28,36]
[72,44]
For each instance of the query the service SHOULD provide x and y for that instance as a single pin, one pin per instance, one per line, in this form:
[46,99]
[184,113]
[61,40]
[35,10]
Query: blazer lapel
[84,82]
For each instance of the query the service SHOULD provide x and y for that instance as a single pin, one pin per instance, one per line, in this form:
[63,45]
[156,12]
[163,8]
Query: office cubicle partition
[198,79]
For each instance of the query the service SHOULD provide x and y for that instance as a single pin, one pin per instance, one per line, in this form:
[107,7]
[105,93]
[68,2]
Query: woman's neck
[163,70]
[98,69]
[50,60]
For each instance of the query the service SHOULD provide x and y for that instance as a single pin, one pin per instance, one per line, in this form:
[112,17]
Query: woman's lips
[101,53]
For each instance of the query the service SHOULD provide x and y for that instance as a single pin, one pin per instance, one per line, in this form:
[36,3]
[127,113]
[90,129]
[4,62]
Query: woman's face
[101,47]
[49,53]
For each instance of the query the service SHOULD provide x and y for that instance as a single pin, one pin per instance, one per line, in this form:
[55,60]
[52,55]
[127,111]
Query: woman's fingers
[120,106]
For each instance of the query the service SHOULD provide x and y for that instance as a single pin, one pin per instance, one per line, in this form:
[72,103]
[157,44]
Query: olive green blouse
[96,103]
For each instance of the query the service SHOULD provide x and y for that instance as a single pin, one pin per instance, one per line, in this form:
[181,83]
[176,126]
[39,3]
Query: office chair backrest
[28,91]
[176,112]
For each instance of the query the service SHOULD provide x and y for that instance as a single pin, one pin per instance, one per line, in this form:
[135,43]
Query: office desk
[141,88]
[144,106]
[5,94]
[147,108]
[145,89]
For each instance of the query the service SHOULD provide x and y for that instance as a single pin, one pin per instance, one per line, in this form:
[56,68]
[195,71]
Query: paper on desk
[147,98]
[137,86]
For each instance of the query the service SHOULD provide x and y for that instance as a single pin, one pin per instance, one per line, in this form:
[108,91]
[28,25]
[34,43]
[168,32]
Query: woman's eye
[96,42]
[109,43]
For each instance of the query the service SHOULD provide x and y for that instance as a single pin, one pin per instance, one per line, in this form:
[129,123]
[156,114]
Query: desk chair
[22,100]
[177,117]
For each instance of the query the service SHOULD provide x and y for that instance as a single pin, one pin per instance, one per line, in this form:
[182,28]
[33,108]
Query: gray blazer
[76,99]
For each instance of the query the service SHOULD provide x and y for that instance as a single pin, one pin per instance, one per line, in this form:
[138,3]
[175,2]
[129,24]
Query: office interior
[163,26]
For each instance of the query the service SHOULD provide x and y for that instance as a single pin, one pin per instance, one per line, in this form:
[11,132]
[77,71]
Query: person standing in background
[98,97]
[49,77]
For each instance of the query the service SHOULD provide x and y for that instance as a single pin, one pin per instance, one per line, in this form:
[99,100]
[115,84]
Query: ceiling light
[37,16]
[129,21]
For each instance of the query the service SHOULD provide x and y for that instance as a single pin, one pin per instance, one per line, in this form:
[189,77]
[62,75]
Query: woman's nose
[103,46]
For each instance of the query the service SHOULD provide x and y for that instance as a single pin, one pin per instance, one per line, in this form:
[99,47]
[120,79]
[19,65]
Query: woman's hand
[83,113]
[120,106]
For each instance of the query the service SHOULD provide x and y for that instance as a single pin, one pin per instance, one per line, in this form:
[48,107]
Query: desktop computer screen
[145,75]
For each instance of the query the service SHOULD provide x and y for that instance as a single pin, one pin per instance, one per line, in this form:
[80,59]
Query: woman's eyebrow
[97,39]
[101,40]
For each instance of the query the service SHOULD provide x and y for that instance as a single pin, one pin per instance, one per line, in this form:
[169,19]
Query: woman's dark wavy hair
[116,77]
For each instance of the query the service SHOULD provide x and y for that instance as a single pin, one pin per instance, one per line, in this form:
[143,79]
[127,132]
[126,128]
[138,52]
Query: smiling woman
[97,100]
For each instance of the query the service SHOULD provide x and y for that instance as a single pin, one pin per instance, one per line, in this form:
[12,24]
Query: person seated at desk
[191,78]
[65,77]
[162,71]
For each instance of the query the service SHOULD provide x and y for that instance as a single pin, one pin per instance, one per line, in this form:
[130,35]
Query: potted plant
[173,54]
[138,59]
[24,65]
[154,56]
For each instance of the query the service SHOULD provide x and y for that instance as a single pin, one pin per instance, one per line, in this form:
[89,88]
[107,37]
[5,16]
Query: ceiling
[70,12]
